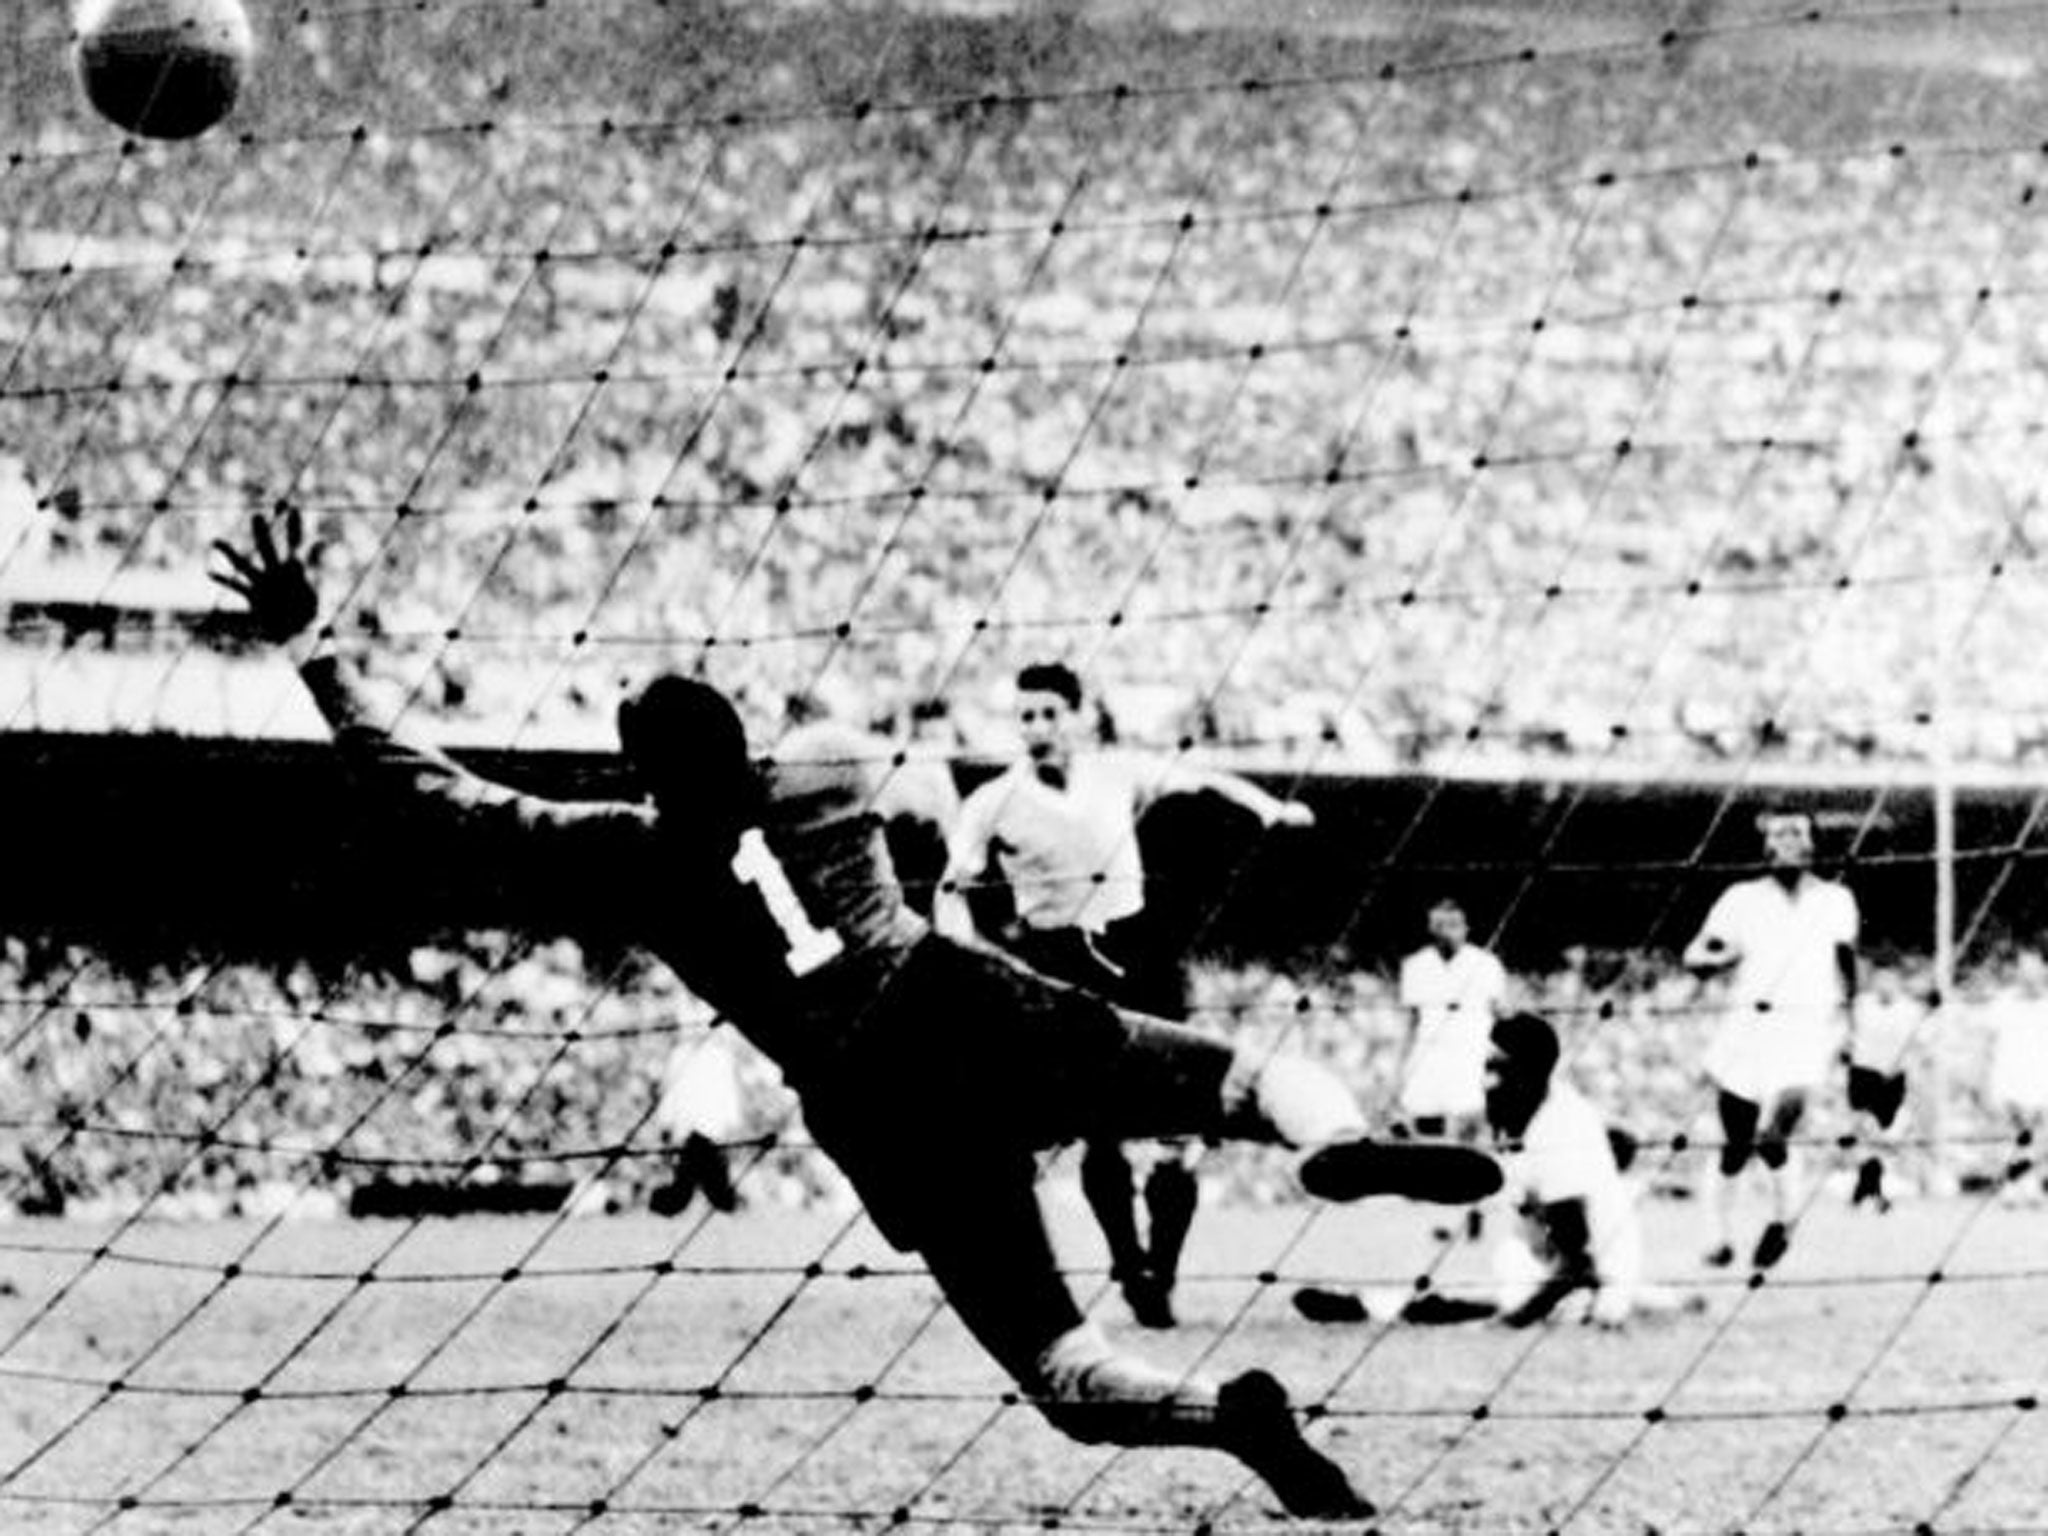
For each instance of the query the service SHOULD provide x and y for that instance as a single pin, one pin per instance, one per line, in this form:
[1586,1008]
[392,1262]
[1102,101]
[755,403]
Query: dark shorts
[1877,1094]
[1125,965]
[968,1064]
[1746,1130]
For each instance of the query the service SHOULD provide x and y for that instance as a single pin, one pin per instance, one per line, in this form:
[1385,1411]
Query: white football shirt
[1069,854]
[1784,943]
[1456,1000]
[1782,1025]
[1565,1155]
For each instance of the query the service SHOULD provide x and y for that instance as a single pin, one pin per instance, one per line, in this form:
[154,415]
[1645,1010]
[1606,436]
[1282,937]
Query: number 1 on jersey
[808,946]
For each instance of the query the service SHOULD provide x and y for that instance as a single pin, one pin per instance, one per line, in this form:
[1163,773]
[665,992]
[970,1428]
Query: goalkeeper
[932,1071]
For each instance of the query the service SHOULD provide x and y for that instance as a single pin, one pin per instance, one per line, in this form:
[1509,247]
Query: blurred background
[1536,435]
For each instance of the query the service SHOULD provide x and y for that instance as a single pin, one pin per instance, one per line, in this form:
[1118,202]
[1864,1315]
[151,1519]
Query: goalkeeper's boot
[1256,1424]
[1441,1173]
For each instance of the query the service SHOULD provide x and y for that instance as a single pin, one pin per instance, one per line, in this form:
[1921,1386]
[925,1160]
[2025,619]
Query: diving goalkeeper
[931,1070]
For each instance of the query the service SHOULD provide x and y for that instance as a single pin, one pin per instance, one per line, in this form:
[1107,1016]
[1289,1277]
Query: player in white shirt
[1786,944]
[1453,990]
[2017,1073]
[1059,828]
[1889,1021]
[1576,1230]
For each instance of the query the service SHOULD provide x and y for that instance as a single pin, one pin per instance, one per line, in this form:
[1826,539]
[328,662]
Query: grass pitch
[784,1372]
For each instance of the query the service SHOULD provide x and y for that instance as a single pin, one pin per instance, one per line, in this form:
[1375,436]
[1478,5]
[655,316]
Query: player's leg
[1864,1086]
[1471,1129]
[994,1261]
[1171,1196]
[1878,1096]
[1062,1065]
[711,1171]
[1293,1101]
[2026,1138]
[1107,1181]
[1774,1149]
[1135,1077]
[1739,1118]
[1156,984]
[1516,1271]
[1112,1194]
[1622,1290]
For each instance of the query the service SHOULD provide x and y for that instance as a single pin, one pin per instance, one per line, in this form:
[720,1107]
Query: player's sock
[1112,1195]
[1171,1195]
[1257,1426]
[1772,1245]
[1101,1397]
[1150,1298]
[1436,1172]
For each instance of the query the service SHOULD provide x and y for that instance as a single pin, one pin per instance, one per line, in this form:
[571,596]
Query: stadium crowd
[1576,408]
[1568,406]
[207,1089]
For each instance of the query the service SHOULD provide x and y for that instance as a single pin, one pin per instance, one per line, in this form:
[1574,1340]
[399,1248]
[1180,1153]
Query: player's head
[1521,1054]
[1448,926]
[1788,840]
[688,749]
[1048,711]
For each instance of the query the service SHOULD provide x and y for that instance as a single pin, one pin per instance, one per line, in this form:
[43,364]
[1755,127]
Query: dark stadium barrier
[138,843]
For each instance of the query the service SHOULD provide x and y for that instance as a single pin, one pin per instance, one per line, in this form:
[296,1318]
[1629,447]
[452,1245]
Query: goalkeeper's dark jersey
[791,931]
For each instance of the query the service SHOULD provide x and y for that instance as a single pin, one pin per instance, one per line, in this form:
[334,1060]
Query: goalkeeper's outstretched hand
[273,578]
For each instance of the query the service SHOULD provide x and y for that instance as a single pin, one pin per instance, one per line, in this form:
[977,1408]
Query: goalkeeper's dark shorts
[968,1064]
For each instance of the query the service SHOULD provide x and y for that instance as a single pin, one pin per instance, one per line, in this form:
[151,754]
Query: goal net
[1536,435]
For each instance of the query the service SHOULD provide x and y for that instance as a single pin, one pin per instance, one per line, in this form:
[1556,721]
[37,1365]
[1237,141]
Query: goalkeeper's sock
[1101,1397]
[1289,1100]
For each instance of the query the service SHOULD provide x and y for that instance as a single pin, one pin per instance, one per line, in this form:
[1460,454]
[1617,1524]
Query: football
[164,69]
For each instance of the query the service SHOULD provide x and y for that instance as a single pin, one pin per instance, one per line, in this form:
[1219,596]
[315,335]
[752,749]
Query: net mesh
[1564,395]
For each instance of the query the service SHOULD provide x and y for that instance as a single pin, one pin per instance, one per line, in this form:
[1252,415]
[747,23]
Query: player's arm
[1409,992]
[1713,950]
[1569,1233]
[273,578]
[914,789]
[967,858]
[1172,777]
[389,761]
[1500,990]
[919,806]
